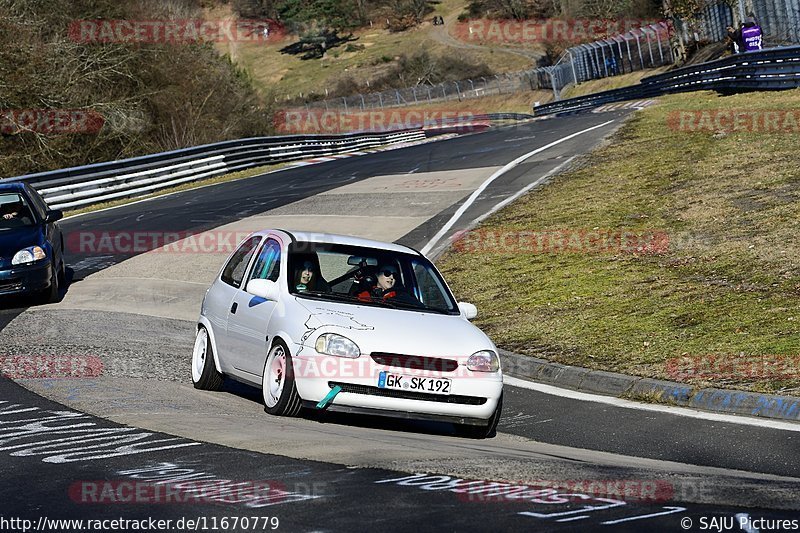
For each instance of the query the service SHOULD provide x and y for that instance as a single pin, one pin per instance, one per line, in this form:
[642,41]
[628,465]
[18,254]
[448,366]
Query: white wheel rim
[199,354]
[274,376]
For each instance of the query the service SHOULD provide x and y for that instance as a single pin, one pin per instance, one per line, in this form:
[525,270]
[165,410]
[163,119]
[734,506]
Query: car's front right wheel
[277,384]
[204,372]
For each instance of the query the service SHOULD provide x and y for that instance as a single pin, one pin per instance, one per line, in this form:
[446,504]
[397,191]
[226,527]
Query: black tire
[278,387]
[50,294]
[62,272]
[482,432]
[204,373]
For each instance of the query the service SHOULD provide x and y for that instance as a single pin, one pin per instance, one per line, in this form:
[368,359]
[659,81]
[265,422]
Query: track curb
[634,388]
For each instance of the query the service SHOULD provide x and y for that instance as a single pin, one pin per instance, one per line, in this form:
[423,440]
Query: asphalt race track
[114,445]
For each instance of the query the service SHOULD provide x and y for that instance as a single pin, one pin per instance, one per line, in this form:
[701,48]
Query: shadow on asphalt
[13,306]
[346,419]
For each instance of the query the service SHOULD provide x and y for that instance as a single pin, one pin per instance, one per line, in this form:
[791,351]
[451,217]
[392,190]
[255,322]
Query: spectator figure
[751,34]
[734,39]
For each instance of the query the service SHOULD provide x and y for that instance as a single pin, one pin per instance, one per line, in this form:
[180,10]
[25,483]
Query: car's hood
[379,329]
[14,240]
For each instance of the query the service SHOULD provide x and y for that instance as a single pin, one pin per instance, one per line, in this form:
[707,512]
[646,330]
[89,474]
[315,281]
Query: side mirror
[53,215]
[263,288]
[468,310]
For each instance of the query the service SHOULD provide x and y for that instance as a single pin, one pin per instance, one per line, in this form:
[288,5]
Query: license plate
[387,380]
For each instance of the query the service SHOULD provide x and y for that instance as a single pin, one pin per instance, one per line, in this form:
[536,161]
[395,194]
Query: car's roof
[9,186]
[333,238]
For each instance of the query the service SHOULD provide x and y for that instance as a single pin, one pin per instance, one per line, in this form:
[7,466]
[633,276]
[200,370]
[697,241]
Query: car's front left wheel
[204,373]
[277,384]
[484,431]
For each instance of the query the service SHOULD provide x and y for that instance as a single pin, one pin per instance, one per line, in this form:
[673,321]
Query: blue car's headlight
[333,344]
[28,255]
[484,361]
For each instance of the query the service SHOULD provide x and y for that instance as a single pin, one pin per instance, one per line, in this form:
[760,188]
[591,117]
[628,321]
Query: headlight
[28,255]
[484,361]
[333,344]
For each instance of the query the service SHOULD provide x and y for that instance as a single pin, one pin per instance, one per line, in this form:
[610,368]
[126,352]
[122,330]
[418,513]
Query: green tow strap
[323,403]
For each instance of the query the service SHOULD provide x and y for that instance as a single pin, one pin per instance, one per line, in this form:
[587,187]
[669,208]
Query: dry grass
[274,73]
[727,286]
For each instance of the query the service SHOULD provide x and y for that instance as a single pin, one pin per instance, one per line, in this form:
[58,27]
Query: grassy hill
[366,59]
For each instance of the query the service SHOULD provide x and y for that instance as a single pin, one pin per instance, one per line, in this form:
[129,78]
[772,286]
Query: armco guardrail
[101,182]
[762,70]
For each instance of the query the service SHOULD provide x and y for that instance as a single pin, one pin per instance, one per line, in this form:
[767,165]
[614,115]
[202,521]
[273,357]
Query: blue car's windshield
[352,274]
[14,212]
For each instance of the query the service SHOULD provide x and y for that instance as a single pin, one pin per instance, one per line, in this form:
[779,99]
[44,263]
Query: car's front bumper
[25,278]
[473,397]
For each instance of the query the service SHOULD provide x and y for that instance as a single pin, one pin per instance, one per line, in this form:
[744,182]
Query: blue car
[31,245]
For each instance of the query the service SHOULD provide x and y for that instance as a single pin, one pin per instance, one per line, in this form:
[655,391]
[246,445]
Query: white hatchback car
[346,324]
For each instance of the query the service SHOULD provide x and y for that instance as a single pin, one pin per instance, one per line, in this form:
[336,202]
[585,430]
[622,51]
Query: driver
[11,211]
[386,288]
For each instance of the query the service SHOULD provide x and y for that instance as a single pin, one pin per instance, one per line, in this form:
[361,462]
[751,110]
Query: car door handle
[234,307]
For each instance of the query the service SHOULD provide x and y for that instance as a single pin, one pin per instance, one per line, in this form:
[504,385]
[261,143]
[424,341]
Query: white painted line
[474,196]
[522,191]
[516,195]
[667,409]
[669,510]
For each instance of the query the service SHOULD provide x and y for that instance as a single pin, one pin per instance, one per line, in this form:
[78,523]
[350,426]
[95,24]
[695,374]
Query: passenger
[306,278]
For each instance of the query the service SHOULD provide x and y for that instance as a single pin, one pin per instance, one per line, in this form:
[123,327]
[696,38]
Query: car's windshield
[358,275]
[14,212]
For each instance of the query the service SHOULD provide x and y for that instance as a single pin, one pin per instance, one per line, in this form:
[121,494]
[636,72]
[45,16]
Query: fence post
[380,99]
[572,64]
[630,58]
[363,105]
[556,96]
[345,103]
[458,91]
[649,46]
[605,65]
[658,40]
[639,47]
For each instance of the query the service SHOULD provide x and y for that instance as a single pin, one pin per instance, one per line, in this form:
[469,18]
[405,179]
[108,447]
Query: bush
[153,97]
